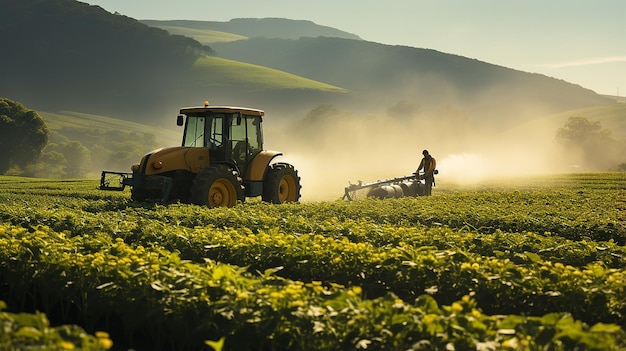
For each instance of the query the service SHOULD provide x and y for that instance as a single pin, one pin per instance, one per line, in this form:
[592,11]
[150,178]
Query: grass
[611,117]
[69,120]
[223,70]
[204,36]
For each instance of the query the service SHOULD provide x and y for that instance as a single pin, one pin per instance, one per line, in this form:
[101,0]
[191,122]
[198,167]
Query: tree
[76,157]
[579,130]
[586,142]
[23,134]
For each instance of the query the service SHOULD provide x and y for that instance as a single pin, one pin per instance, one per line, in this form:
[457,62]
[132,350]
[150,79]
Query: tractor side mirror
[180,120]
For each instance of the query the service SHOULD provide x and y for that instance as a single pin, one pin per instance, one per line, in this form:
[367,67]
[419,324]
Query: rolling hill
[243,76]
[204,36]
[72,56]
[68,55]
[75,124]
[242,28]
[386,75]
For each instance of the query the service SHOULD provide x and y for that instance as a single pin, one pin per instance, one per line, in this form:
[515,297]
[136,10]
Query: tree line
[29,148]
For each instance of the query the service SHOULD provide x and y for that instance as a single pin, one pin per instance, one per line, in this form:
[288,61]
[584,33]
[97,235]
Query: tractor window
[239,143]
[194,131]
[255,138]
[238,128]
[216,132]
[246,139]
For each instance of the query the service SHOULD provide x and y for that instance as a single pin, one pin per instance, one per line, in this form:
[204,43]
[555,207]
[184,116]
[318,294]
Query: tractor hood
[167,159]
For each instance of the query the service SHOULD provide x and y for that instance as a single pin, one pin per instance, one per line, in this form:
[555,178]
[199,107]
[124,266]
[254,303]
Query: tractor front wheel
[281,184]
[217,186]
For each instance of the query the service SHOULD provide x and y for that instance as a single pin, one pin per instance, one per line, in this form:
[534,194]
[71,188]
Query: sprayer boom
[410,185]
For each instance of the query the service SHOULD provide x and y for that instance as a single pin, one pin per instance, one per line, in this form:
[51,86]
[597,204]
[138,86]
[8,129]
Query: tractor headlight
[134,167]
[157,164]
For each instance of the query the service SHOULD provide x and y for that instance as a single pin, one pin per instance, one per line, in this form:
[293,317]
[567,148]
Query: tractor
[221,162]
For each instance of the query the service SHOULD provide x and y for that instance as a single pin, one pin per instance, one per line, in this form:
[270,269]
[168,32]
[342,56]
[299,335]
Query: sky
[579,41]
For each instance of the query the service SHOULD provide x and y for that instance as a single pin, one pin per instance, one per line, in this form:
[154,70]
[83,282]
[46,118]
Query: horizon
[581,43]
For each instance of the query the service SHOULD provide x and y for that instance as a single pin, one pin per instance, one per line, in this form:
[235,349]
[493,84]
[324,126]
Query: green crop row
[352,274]
[149,296]
[32,331]
[381,258]
[580,209]
[136,223]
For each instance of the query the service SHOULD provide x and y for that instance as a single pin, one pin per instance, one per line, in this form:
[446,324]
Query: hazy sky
[579,41]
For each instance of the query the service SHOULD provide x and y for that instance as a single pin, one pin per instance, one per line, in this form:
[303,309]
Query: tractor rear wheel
[217,186]
[281,184]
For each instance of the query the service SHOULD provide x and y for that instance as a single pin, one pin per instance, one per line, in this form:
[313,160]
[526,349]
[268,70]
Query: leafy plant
[545,271]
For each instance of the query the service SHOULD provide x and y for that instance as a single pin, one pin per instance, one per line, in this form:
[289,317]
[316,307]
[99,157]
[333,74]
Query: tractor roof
[222,109]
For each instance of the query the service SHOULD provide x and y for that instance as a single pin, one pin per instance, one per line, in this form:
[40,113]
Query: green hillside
[66,122]
[258,27]
[383,76]
[217,71]
[204,36]
[90,143]
[61,60]
[611,117]
[69,55]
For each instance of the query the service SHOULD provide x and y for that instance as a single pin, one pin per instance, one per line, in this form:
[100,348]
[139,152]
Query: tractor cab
[232,135]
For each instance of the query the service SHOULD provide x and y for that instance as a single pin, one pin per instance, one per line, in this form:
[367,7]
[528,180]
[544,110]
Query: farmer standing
[428,164]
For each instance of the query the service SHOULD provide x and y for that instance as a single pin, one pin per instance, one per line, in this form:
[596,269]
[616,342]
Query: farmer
[428,164]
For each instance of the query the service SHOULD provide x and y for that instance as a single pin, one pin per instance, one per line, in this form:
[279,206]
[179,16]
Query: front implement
[115,181]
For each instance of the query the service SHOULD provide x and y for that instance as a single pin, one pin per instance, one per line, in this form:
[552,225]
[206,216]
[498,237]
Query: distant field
[83,121]
[222,70]
[539,266]
[612,117]
[204,36]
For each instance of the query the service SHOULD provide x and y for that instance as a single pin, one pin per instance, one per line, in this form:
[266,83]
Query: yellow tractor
[220,163]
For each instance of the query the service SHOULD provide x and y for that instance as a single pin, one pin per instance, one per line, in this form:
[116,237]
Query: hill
[245,76]
[385,76]
[72,56]
[392,79]
[611,117]
[68,55]
[79,126]
[241,28]
[205,36]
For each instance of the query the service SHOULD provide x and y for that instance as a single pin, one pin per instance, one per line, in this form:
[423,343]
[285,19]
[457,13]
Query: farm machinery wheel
[217,186]
[387,192]
[282,184]
[138,195]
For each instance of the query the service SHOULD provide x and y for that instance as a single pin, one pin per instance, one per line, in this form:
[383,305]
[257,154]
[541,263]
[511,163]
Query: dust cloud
[332,148]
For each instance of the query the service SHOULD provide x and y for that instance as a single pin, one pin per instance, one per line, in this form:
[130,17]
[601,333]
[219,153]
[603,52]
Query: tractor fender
[259,164]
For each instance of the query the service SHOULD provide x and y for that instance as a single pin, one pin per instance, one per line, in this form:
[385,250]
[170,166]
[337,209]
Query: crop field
[533,264]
